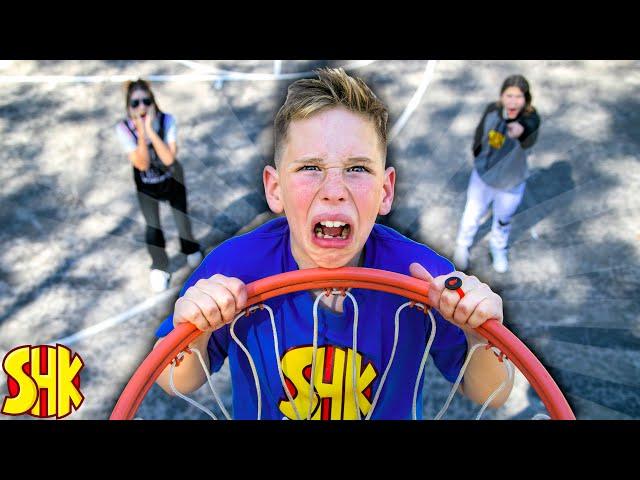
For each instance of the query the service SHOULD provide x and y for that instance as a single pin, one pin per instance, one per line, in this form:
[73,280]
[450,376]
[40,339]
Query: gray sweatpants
[479,197]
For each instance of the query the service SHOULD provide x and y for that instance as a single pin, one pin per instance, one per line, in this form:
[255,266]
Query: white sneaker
[159,280]
[500,260]
[461,257]
[194,259]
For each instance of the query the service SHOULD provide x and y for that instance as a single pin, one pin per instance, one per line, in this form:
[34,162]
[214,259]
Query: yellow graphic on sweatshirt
[333,395]
[496,139]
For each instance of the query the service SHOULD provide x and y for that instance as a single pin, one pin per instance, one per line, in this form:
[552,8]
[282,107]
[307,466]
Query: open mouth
[328,229]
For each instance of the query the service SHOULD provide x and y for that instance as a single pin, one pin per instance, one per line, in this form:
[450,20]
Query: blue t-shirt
[266,251]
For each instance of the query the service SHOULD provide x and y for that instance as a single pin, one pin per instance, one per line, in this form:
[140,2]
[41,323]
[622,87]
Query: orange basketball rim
[411,288]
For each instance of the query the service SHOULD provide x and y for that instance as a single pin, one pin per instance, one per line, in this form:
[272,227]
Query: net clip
[501,356]
[419,306]
[249,311]
[340,290]
[178,360]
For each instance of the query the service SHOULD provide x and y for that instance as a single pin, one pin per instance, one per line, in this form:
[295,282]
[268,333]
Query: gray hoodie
[501,161]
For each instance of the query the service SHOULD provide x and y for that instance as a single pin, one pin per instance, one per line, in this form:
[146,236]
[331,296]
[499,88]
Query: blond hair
[333,88]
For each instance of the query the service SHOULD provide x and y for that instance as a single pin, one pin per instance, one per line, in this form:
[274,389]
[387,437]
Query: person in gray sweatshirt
[503,140]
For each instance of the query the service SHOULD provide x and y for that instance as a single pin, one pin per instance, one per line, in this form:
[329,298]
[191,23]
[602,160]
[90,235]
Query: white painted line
[184,78]
[198,67]
[357,64]
[150,302]
[413,103]
[123,317]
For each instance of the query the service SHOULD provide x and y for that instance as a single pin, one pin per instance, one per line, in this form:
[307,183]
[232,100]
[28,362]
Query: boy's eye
[309,168]
[358,168]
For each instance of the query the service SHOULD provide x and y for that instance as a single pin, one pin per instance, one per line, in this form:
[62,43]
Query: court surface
[73,264]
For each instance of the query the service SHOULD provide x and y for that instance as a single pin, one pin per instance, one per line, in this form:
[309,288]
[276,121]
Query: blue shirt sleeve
[449,348]
[219,341]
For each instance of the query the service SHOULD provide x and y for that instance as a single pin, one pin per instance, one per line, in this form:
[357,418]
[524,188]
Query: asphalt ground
[73,264]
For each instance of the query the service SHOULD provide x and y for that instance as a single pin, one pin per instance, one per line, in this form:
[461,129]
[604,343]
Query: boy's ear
[388,188]
[272,189]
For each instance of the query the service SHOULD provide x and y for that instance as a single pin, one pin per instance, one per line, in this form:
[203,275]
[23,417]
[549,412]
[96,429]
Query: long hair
[522,83]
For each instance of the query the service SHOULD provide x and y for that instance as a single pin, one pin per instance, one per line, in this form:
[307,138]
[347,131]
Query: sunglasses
[136,102]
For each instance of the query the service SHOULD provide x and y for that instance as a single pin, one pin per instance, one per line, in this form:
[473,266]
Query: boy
[330,182]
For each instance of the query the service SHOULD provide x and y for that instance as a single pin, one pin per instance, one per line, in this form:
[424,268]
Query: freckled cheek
[366,194]
[300,194]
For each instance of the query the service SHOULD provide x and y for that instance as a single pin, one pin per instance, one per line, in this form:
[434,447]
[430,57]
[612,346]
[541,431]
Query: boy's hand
[211,303]
[478,305]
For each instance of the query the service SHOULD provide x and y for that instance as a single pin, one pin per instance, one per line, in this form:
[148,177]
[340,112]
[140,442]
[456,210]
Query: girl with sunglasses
[503,140]
[148,136]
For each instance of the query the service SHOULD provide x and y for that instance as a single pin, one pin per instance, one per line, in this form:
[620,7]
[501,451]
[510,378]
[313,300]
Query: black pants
[149,197]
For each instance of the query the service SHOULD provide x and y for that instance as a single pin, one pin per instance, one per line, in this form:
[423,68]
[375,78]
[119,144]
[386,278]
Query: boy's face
[331,184]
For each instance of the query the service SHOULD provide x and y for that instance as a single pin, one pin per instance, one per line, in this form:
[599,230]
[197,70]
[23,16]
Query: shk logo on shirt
[333,393]
[43,381]
[496,139]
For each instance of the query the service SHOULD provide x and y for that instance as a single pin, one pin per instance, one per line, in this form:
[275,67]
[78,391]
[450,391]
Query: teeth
[343,235]
[329,223]
[319,234]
